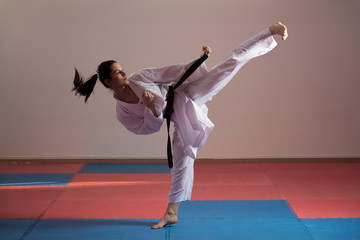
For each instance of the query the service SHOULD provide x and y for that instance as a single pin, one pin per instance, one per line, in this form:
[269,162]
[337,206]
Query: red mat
[224,168]
[222,192]
[29,193]
[326,208]
[319,191]
[343,177]
[26,202]
[233,182]
[22,209]
[355,166]
[284,167]
[117,187]
[314,190]
[232,178]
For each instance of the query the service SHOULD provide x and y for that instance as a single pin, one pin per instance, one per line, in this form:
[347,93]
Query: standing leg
[182,178]
[182,173]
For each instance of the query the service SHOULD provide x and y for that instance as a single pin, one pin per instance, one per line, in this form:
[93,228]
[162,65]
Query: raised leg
[203,89]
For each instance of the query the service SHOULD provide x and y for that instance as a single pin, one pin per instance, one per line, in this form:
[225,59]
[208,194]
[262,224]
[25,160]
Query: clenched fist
[148,98]
[206,50]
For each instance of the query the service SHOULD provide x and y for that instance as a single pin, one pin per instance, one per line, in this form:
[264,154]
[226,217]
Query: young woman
[141,100]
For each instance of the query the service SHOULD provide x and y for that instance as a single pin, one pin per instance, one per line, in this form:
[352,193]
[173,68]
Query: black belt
[170,102]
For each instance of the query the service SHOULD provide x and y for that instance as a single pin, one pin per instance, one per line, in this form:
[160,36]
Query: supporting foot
[167,219]
[170,216]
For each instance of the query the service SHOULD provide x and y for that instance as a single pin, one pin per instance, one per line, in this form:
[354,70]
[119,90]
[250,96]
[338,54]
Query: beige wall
[300,100]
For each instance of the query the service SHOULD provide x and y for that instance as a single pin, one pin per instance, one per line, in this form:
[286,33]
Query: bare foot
[167,219]
[279,29]
[170,216]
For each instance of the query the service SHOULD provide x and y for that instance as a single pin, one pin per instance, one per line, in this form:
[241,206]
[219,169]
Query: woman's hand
[206,50]
[148,99]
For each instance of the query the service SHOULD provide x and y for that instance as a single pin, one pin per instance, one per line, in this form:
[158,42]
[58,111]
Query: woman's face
[118,77]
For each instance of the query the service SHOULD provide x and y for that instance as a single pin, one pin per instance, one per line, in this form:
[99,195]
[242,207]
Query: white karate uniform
[192,125]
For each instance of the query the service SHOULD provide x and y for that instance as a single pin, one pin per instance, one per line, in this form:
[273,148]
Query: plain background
[300,100]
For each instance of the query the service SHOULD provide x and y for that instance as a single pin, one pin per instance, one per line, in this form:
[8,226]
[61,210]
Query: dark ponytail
[86,88]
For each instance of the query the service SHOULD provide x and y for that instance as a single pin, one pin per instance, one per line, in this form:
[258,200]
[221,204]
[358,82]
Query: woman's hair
[86,88]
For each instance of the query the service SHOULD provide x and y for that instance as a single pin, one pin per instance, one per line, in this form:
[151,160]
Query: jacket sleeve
[172,74]
[138,123]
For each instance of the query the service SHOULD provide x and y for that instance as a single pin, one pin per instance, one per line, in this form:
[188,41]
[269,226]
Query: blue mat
[125,168]
[14,228]
[35,179]
[93,229]
[189,229]
[333,228]
[236,209]
[238,229]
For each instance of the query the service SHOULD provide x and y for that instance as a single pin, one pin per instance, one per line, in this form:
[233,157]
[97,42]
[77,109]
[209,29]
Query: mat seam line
[30,228]
[37,220]
[167,233]
[306,230]
[275,185]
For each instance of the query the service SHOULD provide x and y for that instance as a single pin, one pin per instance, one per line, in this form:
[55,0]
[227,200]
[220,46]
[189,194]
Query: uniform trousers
[201,91]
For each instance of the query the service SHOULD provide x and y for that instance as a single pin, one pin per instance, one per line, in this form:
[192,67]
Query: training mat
[338,208]
[236,209]
[235,229]
[333,228]
[95,229]
[41,168]
[255,229]
[209,226]
[125,168]
[35,179]
[119,209]
[235,192]
[11,229]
